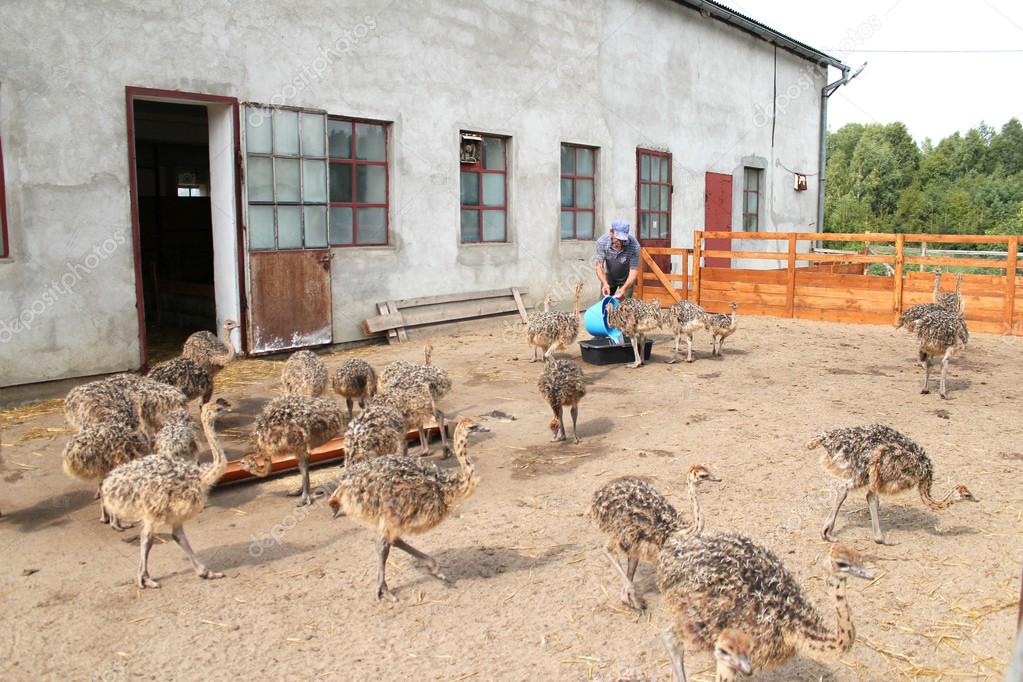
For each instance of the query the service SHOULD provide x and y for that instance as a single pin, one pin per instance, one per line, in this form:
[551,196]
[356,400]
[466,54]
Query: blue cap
[620,228]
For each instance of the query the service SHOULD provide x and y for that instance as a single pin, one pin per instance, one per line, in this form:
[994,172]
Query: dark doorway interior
[175,225]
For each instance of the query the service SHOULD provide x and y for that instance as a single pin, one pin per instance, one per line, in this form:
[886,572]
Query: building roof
[750,25]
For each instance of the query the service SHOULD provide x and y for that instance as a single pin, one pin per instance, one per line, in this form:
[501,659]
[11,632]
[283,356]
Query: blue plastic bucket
[595,319]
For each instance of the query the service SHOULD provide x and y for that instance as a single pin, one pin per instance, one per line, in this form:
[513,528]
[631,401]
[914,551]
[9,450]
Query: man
[617,260]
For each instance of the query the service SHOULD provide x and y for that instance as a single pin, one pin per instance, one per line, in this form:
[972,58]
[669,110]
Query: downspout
[826,92]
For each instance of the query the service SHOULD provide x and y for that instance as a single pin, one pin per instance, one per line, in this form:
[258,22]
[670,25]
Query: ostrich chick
[304,374]
[398,496]
[378,430]
[635,319]
[683,319]
[162,489]
[404,374]
[178,436]
[721,327]
[638,520]
[883,461]
[355,380]
[292,425]
[415,404]
[712,583]
[561,384]
[98,449]
[185,375]
[99,402]
[550,330]
[209,352]
[941,333]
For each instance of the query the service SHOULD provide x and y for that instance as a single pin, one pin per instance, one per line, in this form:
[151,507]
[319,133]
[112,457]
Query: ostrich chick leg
[575,415]
[427,561]
[675,653]
[674,353]
[443,435]
[350,404]
[925,362]
[944,373]
[559,414]
[829,525]
[145,544]
[424,442]
[872,504]
[689,348]
[384,548]
[303,490]
[628,593]
[178,533]
[636,353]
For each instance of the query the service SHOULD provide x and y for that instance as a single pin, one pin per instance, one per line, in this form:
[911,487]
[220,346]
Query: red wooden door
[718,217]
[653,201]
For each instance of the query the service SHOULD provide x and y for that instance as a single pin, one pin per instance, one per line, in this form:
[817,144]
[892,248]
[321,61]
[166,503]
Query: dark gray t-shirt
[618,263]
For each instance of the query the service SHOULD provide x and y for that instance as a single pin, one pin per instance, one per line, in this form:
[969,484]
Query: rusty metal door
[718,217]
[291,304]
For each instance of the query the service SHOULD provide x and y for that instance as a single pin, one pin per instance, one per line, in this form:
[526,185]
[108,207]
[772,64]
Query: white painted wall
[615,74]
[224,212]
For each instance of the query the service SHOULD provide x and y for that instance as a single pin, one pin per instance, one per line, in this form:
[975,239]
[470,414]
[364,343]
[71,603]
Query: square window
[342,226]
[285,132]
[261,227]
[470,225]
[372,226]
[493,226]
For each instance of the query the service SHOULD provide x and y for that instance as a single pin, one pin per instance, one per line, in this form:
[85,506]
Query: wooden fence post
[685,274]
[640,286]
[1009,304]
[790,284]
[900,246]
[697,267]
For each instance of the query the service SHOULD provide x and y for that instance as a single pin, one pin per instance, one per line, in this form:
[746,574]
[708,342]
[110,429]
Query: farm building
[290,165]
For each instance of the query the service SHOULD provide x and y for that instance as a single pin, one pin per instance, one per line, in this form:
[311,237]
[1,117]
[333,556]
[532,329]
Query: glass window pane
[286,179]
[314,180]
[567,160]
[749,223]
[340,139]
[258,129]
[584,162]
[315,224]
[369,142]
[664,169]
[584,225]
[261,227]
[644,226]
[584,193]
[644,197]
[654,230]
[285,132]
[312,134]
[289,227]
[567,225]
[751,202]
[665,197]
[370,184]
[470,226]
[259,178]
[341,225]
[567,195]
[341,182]
[664,223]
[493,153]
[644,167]
[493,226]
[372,226]
[493,189]
[470,189]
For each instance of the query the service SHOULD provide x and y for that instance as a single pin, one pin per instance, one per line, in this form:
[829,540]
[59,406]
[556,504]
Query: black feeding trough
[601,350]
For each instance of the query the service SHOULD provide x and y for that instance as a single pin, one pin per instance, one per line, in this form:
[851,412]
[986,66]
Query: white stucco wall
[615,74]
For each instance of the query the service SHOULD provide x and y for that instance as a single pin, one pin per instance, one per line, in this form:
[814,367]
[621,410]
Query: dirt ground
[531,595]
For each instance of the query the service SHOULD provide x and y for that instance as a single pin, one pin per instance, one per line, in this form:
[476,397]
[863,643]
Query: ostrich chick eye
[841,564]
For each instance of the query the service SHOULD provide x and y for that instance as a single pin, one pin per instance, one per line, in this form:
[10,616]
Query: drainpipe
[826,92]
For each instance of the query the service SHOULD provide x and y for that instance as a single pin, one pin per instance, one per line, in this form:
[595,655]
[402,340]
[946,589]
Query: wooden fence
[836,286]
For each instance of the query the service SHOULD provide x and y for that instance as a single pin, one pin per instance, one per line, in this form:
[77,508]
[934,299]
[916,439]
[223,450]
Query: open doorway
[185,200]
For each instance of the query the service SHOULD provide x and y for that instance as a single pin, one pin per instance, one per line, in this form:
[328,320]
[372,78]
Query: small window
[653,185]
[358,182]
[484,188]
[578,191]
[4,246]
[751,199]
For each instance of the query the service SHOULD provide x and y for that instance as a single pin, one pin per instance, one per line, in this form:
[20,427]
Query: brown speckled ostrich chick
[378,430]
[98,449]
[178,436]
[355,380]
[683,319]
[638,520]
[162,489]
[209,352]
[152,400]
[185,375]
[561,385]
[399,496]
[404,374]
[712,583]
[292,425]
[883,461]
[416,405]
[99,402]
[720,327]
[635,319]
[304,374]
[549,330]
[941,333]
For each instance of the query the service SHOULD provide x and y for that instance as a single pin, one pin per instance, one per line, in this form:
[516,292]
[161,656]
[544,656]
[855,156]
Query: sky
[934,94]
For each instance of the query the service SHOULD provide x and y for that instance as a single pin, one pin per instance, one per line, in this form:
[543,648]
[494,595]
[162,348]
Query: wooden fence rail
[801,287]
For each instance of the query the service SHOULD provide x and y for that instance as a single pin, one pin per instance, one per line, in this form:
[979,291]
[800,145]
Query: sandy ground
[531,595]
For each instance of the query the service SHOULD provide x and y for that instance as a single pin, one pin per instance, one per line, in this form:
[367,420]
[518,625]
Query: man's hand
[620,293]
[606,289]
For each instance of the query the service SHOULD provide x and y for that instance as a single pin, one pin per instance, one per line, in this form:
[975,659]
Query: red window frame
[640,183]
[574,176]
[4,244]
[479,208]
[757,173]
[355,162]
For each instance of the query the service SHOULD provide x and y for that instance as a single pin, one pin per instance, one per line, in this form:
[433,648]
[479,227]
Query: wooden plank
[960,262]
[392,307]
[790,284]
[382,323]
[845,258]
[843,316]
[464,310]
[759,255]
[743,297]
[646,258]
[518,303]
[392,336]
[673,277]
[664,250]
[826,279]
[882,296]
[685,274]
[851,303]
[900,246]
[760,287]
[958,238]
[455,298]
[697,265]
[742,275]
[641,284]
